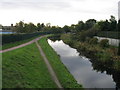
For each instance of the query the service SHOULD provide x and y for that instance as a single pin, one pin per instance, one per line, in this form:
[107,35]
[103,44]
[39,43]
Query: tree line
[103,25]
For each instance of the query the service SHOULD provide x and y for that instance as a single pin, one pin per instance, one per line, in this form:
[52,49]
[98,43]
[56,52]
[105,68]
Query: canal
[89,74]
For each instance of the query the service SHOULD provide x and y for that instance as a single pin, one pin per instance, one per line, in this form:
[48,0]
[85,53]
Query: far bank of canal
[84,71]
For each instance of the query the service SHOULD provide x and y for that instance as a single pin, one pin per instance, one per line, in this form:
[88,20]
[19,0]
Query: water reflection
[91,74]
[64,51]
[99,67]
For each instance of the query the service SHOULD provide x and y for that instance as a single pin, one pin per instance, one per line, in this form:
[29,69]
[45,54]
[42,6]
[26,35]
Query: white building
[119,10]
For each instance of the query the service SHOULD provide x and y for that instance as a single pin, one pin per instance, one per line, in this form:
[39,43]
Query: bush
[83,35]
[87,39]
[104,43]
[66,38]
[117,65]
[93,41]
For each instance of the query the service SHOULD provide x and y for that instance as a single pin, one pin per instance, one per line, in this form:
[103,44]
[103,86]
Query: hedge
[9,38]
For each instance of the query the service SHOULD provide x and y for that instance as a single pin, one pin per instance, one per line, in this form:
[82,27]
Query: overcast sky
[56,12]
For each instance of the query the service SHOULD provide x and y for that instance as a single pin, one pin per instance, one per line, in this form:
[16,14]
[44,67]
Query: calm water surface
[81,68]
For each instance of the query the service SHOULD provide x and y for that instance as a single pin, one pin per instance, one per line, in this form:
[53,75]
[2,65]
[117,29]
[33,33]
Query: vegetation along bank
[100,51]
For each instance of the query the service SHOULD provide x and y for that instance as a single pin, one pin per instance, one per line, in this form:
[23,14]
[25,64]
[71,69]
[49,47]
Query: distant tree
[80,26]
[26,29]
[42,26]
[104,25]
[90,23]
[31,27]
[19,27]
[73,28]
[66,28]
[113,24]
[47,27]
[56,29]
[39,26]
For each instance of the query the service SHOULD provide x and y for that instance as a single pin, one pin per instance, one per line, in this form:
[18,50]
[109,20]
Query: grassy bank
[25,68]
[108,56]
[66,79]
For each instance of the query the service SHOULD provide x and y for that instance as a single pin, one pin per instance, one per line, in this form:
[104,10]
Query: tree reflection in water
[54,38]
[106,67]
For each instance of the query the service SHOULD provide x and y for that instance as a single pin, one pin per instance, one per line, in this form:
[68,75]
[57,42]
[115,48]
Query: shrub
[93,41]
[66,38]
[117,65]
[104,43]
[82,36]
[87,39]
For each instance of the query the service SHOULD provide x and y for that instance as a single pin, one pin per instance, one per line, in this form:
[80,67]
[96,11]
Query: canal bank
[64,76]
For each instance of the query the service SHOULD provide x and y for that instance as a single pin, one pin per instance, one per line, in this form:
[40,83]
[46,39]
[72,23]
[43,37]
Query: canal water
[82,69]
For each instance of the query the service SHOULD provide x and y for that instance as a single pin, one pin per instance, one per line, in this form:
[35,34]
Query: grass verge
[65,78]
[25,68]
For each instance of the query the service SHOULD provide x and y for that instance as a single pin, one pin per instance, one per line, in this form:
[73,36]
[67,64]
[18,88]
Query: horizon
[64,12]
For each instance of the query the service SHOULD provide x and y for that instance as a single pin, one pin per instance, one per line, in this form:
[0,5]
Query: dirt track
[50,69]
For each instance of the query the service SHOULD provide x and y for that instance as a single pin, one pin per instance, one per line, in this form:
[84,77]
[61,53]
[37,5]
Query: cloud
[34,4]
[58,12]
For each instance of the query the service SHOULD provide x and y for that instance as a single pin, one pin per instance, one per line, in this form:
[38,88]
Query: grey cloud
[48,5]
[8,4]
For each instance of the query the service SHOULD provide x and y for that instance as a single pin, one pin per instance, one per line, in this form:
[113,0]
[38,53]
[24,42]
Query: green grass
[9,45]
[66,79]
[25,68]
